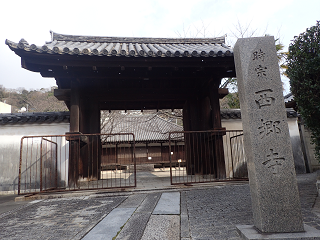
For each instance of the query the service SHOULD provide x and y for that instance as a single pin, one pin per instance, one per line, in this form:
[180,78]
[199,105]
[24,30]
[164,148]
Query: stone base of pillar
[249,232]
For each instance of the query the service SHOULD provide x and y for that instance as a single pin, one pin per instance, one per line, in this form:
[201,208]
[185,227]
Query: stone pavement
[209,211]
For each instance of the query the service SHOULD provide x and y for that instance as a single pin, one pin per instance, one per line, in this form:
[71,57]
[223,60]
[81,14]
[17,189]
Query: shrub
[303,63]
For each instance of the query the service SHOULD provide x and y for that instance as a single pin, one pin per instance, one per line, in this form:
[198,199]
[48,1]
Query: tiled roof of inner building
[236,113]
[146,127]
[48,117]
[288,98]
[128,47]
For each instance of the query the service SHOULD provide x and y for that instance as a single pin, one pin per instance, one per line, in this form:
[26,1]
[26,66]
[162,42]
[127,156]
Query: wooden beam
[222,92]
[138,105]
[138,94]
[130,72]
[215,104]
[62,94]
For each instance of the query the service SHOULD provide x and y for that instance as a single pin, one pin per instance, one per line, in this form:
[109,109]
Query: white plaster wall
[296,145]
[10,138]
[5,108]
[236,124]
[232,124]
[234,163]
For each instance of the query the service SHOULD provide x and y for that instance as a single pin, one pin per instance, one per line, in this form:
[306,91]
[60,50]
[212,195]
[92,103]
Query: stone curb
[104,192]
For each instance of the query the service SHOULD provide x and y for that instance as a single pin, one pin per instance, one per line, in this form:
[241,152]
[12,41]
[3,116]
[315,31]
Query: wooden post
[91,151]
[74,106]
[74,164]
[187,125]
[196,117]
[208,152]
[220,168]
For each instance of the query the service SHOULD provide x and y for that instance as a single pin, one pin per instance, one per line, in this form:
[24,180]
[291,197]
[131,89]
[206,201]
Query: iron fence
[76,162]
[207,156]
[96,161]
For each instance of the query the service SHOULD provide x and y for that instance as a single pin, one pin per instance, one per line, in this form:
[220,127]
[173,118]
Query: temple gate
[111,73]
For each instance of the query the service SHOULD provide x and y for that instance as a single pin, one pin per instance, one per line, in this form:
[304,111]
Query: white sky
[32,20]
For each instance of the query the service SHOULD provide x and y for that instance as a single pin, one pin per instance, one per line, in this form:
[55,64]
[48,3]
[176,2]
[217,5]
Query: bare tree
[41,100]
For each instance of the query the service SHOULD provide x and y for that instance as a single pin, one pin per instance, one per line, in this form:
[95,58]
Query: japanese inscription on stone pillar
[274,192]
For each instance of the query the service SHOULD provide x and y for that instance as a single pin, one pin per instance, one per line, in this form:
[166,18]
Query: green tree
[303,62]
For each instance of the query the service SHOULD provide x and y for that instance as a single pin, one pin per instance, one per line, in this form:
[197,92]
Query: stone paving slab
[184,219]
[109,227]
[134,228]
[68,218]
[162,227]
[169,203]
[133,201]
[149,203]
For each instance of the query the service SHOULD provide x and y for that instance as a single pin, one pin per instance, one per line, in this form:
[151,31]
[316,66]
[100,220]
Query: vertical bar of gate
[41,165]
[56,164]
[119,152]
[66,160]
[135,160]
[231,154]
[170,158]
[59,149]
[211,150]
[196,155]
[99,163]
[25,176]
[20,164]
[208,150]
[95,159]
[30,168]
[88,159]
[189,157]
[227,150]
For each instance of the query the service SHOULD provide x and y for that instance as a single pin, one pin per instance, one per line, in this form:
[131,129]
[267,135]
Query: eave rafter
[138,69]
[86,61]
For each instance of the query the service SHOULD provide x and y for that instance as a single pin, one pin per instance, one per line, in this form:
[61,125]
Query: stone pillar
[273,185]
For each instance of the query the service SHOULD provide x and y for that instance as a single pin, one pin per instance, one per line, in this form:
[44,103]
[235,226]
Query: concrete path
[209,211]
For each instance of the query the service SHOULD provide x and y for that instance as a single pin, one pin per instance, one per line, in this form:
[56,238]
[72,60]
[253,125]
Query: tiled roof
[288,98]
[140,124]
[129,47]
[34,117]
[146,127]
[230,114]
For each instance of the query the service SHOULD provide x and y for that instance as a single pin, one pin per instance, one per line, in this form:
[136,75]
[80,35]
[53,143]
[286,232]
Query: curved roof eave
[127,46]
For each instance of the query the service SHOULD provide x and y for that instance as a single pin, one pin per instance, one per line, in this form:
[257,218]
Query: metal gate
[207,156]
[76,162]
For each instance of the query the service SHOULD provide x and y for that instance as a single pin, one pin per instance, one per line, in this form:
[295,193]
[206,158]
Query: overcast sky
[32,20]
